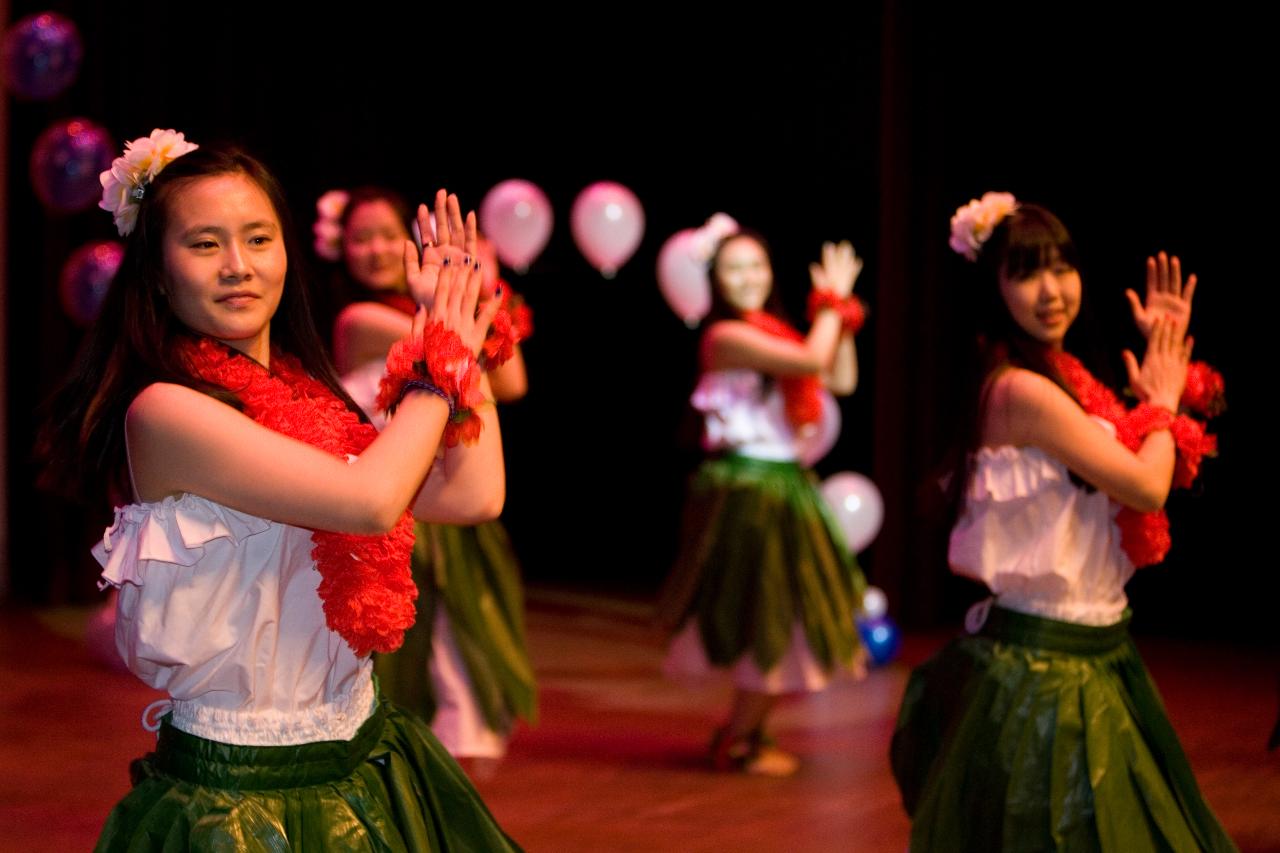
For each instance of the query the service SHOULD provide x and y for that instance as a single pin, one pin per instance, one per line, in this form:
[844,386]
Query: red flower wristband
[853,313]
[441,363]
[511,325]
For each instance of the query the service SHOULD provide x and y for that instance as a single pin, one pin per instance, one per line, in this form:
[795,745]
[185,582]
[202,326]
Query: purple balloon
[86,277]
[66,162]
[40,56]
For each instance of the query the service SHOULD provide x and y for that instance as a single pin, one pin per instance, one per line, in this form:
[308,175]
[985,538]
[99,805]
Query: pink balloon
[607,223]
[516,216]
[815,443]
[86,277]
[682,277]
[857,506]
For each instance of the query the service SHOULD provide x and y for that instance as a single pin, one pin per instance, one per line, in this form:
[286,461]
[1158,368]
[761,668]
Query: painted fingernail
[476,265]
[446,262]
[466,260]
[497,291]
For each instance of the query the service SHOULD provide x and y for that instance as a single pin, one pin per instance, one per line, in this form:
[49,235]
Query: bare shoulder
[1018,390]
[360,315]
[722,330]
[162,404]
[1020,404]
[735,337]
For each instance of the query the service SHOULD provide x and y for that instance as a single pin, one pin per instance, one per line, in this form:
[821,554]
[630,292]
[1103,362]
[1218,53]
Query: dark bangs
[1029,239]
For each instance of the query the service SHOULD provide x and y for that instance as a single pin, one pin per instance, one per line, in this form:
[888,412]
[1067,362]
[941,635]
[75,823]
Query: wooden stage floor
[617,760]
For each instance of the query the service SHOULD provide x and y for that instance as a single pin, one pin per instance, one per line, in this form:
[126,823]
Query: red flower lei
[802,395]
[366,589]
[1144,536]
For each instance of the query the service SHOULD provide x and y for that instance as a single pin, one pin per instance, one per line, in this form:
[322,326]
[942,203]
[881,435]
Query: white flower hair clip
[718,227]
[972,224]
[328,226]
[125,183]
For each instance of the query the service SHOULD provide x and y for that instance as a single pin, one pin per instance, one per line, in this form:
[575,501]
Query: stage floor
[617,760]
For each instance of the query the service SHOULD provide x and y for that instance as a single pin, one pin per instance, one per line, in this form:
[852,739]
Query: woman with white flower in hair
[764,585]
[263,550]
[1040,729]
[464,666]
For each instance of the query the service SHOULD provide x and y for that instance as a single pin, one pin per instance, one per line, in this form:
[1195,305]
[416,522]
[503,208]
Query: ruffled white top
[737,416]
[1042,544]
[220,609]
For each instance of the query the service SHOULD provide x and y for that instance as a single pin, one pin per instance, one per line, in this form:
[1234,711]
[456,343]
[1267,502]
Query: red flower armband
[1140,421]
[440,363]
[1194,443]
[852,311]
[1205,392]
[511,325]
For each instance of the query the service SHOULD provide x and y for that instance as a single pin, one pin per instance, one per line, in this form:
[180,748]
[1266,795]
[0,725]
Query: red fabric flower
[463,428]
[1205,391]
[1194,443]
[500,343]
[511,326]
[522,319]
[366,589]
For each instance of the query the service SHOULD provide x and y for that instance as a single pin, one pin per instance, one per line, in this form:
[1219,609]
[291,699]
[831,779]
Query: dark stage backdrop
[872,125]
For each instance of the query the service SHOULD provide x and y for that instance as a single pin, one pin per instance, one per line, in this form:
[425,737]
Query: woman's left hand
[839,270]
[1167,296]
[1162,375]
[454,238]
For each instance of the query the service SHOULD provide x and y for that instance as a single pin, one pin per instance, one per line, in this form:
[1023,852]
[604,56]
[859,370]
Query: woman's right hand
[1160,378]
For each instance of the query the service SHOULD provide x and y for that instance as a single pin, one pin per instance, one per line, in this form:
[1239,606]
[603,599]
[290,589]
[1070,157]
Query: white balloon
[874,603]
[856,503]
[816,441]
[682,277]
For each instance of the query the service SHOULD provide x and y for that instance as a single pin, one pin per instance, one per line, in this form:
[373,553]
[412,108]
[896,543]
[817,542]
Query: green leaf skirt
[392,787]
[1037,735]
[472,573]
[759,554]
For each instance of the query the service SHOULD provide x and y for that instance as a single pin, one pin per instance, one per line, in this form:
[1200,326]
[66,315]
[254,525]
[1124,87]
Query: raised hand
[1167,296]
[457,291]
[1160,378]
[454,238]
[839,268]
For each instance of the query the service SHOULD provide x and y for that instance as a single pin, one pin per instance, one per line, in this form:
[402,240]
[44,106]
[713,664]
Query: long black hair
[81,444]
